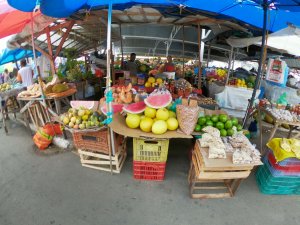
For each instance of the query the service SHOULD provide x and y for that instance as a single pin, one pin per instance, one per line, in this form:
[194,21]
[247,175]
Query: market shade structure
[248,12]
[285,41]
[13,21]
[14,55]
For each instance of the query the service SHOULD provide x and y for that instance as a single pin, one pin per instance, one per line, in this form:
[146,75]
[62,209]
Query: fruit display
[241,83]
[5,87]
[33,91]
[152,82]
[227,126]
[116,108]
[216,74]
[159,98]
[82,118]
[135,108]
[157,121]
[282,114]
[121,95]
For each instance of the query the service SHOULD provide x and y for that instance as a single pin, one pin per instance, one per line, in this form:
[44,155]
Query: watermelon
[135,108]
[158,99]
[85,104]
[115,107]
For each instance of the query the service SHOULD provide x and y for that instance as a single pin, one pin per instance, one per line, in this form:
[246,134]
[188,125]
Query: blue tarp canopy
[8,55]
[245,11]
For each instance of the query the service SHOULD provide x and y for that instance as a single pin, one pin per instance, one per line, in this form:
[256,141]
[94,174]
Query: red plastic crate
[149,170]
[291,168]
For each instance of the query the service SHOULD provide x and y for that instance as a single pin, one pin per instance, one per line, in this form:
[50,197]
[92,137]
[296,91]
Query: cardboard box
[119,126]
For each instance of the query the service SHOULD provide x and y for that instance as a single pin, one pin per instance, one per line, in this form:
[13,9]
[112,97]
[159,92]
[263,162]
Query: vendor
[132,66]
[169,65]
[4,76]
[25,74]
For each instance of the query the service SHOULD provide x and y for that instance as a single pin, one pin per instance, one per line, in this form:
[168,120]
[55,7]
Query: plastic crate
[287,162]
[150,150]
[149,170]
[269,184]
[288,169]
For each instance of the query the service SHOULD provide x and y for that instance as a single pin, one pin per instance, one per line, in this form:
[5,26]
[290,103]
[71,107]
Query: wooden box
[214,178]
[104,162]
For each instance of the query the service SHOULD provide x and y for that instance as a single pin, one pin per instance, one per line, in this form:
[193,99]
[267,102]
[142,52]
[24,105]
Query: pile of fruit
[216,74]
[122,95]
[152,82]
[82,118]
[222,122]
[5,87]
[241,83]
[152,115]
[152,120]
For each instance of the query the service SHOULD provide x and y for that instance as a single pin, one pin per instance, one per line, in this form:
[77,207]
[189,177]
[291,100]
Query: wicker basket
[96,141]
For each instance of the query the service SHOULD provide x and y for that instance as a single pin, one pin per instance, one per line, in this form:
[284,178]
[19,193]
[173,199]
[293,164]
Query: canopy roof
[248,12]
[286,41]
[8,55]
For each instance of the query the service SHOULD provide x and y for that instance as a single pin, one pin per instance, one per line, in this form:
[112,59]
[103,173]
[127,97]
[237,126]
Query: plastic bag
[187,118]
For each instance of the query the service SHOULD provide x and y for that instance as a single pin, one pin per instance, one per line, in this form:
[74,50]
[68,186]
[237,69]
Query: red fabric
[12,21]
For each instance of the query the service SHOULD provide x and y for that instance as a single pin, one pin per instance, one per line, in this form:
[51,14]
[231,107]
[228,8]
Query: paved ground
[38,189]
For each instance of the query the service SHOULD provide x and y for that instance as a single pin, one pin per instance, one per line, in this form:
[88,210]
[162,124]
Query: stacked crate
[94,148]
[281,178]
[149,159]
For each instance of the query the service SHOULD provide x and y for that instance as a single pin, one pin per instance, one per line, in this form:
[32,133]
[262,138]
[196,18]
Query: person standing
[5,76]
[25,74]
[169,65]
[132,66]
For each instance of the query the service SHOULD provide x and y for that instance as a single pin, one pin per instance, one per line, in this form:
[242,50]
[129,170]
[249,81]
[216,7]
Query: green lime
[230,132]
[215,118]
[201,120]
[209,123]
[239,127]
[208,117]
[228,124]
[198,128]
[223,118]
[223,132]
[220,125]
[234,121]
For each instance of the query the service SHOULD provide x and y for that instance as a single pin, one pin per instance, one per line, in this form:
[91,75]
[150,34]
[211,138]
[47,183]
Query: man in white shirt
[25,74]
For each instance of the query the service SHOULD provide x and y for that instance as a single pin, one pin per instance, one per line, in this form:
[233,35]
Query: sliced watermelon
[85,104]
[115,107]
[135,108]
[158,101]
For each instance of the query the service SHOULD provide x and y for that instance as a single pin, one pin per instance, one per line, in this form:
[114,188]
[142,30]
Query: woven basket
[96,141]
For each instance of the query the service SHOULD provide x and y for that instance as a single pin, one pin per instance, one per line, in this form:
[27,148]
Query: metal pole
[122,52]
[108,64]
[183,58]
[229,65]
[259,73]
[208,54]
[200,63]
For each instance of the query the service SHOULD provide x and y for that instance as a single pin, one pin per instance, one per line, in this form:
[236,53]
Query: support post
[183,51]
[200,63]
[229,65]
[50,51]
[261,61]
[208,54]
[122,51]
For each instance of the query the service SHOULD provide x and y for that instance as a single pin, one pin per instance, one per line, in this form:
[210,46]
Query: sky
[3,43]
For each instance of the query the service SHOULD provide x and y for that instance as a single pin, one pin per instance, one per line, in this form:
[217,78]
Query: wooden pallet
[103,162]
[217,178]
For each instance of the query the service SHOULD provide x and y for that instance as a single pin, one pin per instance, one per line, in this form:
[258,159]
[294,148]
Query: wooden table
[5,97]
[215,178]
[40,110]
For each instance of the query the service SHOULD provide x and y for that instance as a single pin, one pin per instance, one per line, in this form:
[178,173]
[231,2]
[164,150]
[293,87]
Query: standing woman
[169,65]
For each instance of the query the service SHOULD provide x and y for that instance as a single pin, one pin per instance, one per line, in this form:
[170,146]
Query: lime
[234,121]
[201,120]
[223,132]
[198,128]
[239,127]
[220,125]
[228,124]
[215,118]
[230,132]
[209,123]
[223,118]
[208,117]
